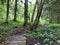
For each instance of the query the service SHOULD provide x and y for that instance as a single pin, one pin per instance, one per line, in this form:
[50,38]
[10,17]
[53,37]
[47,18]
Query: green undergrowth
[6,29]
[47,34]
[54,25]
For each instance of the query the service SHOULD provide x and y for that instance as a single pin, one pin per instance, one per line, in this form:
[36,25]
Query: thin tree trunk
[15,9]
[58,19]
[2,1]
[38,14]
[32,18]
[25,13]
[7,11]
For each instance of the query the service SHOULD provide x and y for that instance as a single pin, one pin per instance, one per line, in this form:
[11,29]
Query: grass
[55,25]
[10,25]
[6,29]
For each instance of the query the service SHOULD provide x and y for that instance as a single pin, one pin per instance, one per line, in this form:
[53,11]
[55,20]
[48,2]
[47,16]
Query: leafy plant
[49,35]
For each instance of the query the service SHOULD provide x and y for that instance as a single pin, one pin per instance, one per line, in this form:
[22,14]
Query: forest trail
[18,37]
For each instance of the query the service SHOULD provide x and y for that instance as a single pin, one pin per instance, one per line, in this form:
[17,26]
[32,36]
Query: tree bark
[2,1]
[32,18]
[15,10]
[25,13]
[7,11]
[38,14]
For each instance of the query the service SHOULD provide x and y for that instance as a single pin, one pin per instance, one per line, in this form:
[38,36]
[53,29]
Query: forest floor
[18,32]
[18,37]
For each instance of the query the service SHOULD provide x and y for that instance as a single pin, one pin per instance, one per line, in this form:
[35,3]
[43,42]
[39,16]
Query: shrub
[47,34]
[54,26]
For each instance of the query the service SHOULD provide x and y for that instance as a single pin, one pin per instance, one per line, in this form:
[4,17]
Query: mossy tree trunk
[32,18]
[7,11]
[25,13]
[15,11]
[40,8]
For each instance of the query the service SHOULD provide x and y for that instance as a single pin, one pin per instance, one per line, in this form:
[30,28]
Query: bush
[54,26]
[47,34]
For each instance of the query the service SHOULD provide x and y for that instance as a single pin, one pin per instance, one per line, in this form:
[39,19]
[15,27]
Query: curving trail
[18,37]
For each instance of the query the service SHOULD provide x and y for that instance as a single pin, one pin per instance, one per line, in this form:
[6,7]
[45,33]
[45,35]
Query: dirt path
[18,37]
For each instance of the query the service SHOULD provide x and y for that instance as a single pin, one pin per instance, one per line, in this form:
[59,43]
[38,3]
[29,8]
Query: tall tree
[7,11]
[38,14]
[25,13]
[32,18]
[2,1]
[15,10]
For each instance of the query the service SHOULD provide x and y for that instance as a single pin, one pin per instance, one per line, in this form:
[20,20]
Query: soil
[33,41]
[19,32]
[0,43]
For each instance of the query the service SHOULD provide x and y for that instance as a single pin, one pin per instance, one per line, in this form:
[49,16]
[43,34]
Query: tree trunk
[38,14]
[2,1]
[25,13]
[58,19]
[7,11]
[15,10]
[32,18]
